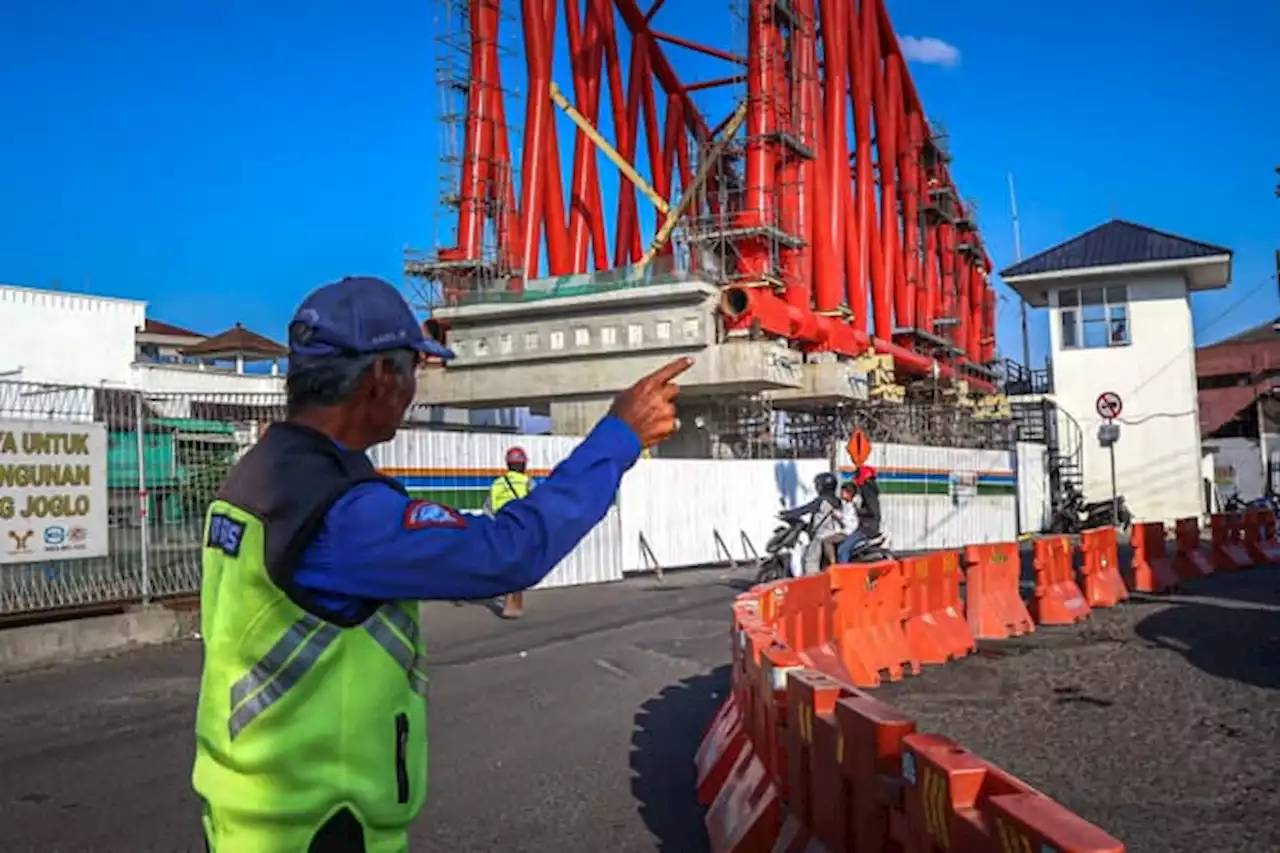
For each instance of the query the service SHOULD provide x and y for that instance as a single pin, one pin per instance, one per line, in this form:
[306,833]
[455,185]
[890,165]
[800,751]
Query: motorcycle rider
[825,520]
[867,500]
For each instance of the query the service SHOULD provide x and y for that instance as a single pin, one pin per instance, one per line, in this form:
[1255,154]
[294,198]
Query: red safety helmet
[517,456]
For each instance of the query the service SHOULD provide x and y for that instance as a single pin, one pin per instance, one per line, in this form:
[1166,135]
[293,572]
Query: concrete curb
[35,646]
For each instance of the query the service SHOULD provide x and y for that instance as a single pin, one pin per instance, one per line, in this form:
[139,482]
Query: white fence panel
[1034,505]
[944,497]
[457,468]
[677,508]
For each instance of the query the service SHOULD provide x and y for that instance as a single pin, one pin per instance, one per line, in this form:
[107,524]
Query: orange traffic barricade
[1190,559]
[936,628]
[1151,569]
[993,602]
[868,615]
[1100,568]
[1228,551]
[1057,599]
[956,801]
[1260,536]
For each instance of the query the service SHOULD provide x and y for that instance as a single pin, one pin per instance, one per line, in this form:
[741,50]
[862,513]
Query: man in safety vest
[512,485]
[311,724]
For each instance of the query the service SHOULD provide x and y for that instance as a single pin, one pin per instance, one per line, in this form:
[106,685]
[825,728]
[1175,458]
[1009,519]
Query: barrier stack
[800,758]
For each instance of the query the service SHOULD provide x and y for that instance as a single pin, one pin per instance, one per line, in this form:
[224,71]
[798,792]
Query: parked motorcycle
[1074,514]
[784,552]
[1235,504]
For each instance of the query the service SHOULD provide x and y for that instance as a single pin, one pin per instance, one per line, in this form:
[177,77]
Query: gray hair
[330,381]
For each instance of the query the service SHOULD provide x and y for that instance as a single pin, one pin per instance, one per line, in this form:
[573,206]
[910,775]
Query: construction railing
[800,758]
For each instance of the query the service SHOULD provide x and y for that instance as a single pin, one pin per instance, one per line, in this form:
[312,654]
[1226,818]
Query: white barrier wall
[1034,504]
[673,509]
[691,512]
[456,469]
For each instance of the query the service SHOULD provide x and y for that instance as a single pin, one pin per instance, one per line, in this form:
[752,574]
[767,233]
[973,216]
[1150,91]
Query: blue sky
[220,159]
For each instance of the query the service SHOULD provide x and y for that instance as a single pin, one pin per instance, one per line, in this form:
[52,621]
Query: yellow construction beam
[686,198]
[609,151]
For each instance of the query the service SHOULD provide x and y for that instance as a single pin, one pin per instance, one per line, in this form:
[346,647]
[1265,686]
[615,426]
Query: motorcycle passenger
[825,519]
[867,501]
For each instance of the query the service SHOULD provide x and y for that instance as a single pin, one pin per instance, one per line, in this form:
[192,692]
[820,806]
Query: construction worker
[514,484]
[311,723]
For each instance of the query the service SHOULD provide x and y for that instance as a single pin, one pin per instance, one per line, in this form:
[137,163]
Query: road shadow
[668,731]
[1235,640]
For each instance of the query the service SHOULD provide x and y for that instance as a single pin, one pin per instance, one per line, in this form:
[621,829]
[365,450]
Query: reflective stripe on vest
[289,660]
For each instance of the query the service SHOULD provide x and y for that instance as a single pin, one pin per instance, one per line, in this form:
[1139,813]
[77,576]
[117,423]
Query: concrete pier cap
[573,353]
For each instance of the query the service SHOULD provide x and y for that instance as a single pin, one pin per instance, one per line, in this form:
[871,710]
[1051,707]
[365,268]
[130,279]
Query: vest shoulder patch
[225,534]
[421,515]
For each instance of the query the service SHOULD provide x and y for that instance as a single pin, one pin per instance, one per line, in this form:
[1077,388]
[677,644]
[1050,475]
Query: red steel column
[829,226]
[478,142]
[538,121]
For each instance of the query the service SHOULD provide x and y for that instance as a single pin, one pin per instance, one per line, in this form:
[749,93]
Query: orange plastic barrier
[798,760]
[1228,551]
[992,593]
[1103,586]
[1151,569]
[1260,536]
[1190,559]
[1057,599]
[869,618]
[956,801]
[936,628]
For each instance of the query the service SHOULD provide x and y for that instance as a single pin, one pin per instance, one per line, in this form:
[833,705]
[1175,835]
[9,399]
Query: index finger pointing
[669,371]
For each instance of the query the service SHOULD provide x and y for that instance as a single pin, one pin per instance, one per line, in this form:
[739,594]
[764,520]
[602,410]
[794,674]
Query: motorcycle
[785,550]
[1235,505]
[1075,514]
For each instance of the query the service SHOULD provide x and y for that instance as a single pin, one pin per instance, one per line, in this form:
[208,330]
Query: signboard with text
[53,491]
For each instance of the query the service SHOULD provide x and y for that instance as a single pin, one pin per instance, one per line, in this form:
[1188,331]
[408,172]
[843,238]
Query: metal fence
[166,456]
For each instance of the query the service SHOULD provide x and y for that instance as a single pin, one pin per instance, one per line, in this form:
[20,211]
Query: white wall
[456,468]
[165,378]
[1158,455]
[1034,499]
[680,505]
[67,338]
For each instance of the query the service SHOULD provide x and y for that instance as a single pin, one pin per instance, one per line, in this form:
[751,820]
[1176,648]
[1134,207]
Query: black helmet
[825,483]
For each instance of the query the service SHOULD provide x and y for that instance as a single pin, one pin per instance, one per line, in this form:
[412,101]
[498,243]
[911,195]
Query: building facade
[1240,413]
[1120,322]
[59,338]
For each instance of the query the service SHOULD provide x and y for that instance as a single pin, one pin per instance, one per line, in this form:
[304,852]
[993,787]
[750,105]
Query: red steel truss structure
[831,218]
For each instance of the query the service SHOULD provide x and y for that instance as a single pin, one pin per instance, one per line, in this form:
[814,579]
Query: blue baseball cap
[357,315]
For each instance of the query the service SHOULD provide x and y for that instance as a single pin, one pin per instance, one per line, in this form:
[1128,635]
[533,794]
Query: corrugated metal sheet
[679,506]
[456,469]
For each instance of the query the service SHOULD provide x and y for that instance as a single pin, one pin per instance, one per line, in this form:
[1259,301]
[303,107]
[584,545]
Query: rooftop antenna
[1017,257]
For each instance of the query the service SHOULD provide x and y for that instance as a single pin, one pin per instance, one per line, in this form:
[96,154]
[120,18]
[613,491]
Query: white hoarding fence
[53,491]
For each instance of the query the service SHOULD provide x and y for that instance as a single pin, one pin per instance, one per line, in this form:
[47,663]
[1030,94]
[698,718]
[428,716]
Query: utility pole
[1017,256]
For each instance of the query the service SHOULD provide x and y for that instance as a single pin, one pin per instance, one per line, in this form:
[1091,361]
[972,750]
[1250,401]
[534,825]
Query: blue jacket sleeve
[378,544]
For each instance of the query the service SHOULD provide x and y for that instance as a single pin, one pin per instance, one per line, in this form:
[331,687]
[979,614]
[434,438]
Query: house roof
[159,327]
[1117,246]
[237,341]
[1113,243]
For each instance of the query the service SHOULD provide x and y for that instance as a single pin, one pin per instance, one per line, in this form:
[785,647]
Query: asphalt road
[574,729]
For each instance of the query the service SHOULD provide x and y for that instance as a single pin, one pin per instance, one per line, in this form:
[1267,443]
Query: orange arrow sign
[859,447]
